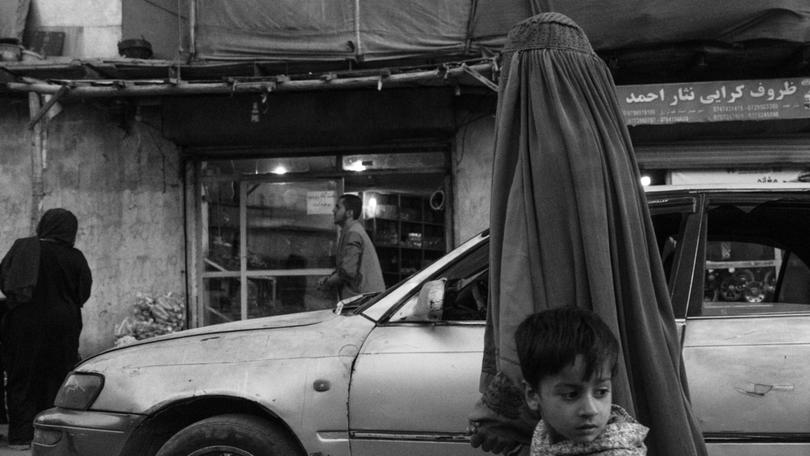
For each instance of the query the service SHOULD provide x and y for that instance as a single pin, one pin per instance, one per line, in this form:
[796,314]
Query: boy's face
[573,408]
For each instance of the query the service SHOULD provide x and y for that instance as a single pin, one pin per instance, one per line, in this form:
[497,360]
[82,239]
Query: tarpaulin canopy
[393,29]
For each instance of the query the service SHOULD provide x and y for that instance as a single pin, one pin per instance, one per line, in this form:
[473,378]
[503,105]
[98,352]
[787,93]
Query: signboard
[319,203]
[716,101]
[735,176]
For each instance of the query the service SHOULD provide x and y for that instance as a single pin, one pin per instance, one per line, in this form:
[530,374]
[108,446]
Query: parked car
[397,373]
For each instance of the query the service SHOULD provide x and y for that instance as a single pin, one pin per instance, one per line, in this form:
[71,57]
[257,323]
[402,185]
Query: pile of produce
[152,317]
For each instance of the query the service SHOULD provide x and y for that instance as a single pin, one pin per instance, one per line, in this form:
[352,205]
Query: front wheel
[230,435]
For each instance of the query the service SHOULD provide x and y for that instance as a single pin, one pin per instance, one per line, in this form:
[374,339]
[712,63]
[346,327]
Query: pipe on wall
[39,146]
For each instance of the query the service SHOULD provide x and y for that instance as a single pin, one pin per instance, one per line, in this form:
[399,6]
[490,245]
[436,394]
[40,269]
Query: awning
[389,29]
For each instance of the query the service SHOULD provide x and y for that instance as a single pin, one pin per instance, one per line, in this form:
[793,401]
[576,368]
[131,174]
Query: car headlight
[79,390]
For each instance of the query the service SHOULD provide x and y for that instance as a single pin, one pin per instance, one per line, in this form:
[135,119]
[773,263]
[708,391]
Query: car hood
[328,327]
[232,360]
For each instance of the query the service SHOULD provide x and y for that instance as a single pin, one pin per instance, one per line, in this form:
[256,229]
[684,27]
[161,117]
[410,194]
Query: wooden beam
[135,88]
[62,91]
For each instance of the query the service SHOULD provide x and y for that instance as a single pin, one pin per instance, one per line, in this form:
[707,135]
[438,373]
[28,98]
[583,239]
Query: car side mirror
[430,303]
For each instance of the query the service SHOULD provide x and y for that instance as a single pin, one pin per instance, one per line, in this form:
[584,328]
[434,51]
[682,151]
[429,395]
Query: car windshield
[371,298]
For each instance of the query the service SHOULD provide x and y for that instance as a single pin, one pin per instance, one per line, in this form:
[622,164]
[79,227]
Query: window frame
[681,282]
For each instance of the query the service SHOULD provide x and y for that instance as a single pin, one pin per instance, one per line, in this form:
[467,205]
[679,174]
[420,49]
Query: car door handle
[761,389]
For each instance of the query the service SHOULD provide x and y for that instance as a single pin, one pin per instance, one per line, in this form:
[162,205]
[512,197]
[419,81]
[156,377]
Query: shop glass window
[221,297]
[265,244]
[220,214]
[268,232]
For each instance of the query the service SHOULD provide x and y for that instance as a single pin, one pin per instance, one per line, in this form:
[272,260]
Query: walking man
[358,268]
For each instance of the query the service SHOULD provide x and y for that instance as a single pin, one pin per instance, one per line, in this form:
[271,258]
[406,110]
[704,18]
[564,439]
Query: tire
[231,435]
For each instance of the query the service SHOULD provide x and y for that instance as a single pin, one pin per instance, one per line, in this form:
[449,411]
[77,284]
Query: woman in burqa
[46,281]
[570,226]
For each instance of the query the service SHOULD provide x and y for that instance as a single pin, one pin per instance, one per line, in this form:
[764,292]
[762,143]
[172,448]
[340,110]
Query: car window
[756,259]
[668,234]
[467,286]
[466,290]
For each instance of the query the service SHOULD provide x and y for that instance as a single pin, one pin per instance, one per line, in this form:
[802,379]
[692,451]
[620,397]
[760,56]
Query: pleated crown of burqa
[570,224]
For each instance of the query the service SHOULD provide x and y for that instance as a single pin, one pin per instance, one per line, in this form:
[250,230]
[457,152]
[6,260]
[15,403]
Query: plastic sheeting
[394,29]
[13,14]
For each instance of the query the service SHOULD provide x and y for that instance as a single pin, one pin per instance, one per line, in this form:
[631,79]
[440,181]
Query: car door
[746,345]
[416,380]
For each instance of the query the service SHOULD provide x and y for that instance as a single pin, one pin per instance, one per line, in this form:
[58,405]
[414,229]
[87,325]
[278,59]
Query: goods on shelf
[407,232]
[414,240]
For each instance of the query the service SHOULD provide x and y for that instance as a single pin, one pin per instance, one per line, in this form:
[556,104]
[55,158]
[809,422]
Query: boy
[568,357]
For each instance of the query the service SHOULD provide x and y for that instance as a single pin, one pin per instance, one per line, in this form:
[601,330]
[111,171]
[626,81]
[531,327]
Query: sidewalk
[4,450]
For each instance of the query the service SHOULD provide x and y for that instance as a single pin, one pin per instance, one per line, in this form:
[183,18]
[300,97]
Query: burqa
[570,226]
[40,331]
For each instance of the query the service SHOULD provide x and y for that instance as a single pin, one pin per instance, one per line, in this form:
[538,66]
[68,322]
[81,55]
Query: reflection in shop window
[221,300]
[220,214]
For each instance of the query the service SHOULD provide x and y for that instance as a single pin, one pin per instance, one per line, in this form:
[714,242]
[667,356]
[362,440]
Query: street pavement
[4,449]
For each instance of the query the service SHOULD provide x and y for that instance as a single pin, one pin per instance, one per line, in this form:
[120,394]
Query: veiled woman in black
[46,282]
[569,225]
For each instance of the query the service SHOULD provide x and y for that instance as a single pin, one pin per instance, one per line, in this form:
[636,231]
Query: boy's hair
[354,203]
[550,340]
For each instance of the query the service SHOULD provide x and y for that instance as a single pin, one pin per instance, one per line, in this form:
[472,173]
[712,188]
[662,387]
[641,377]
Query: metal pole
[192,28]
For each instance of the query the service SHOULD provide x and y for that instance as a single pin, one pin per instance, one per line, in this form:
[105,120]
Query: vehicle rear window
[756,259]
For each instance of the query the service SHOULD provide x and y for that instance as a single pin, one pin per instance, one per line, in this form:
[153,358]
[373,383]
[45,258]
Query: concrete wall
[15,171]
[472,174]
[92,27]
[124,186]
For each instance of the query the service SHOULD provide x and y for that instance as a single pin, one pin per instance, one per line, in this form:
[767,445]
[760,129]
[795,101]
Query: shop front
[263,187]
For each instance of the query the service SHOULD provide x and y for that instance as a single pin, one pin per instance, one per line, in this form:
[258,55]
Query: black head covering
[59,225]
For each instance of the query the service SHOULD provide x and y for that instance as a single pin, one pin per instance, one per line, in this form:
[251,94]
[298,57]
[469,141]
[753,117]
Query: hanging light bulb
[355,166]
[372,207]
